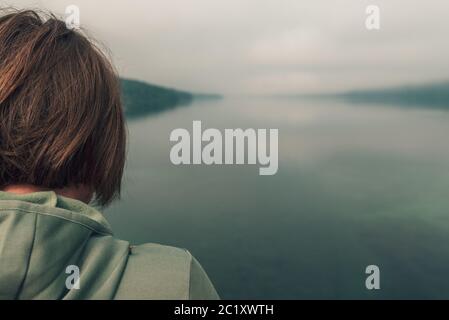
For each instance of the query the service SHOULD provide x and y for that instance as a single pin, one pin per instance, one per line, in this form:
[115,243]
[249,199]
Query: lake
[357,185]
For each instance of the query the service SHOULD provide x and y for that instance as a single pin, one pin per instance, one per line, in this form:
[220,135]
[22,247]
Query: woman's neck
[81,192]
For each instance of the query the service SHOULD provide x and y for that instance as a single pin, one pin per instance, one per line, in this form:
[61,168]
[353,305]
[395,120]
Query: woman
[62,146]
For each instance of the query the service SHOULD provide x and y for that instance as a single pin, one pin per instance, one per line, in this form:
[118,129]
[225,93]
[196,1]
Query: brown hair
[61,117]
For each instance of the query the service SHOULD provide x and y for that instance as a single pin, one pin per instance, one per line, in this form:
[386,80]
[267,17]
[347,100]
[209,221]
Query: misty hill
[141,98]
[430,95]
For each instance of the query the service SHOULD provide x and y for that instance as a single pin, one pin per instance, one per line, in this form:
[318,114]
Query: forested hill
[141,98]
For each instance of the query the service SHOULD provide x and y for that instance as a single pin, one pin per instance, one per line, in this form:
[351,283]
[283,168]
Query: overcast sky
[268,46]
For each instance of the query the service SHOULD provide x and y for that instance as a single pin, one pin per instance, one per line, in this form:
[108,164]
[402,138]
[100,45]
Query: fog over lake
[240,47]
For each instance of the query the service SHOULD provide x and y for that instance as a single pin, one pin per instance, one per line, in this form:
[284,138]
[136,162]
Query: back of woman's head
[61,119]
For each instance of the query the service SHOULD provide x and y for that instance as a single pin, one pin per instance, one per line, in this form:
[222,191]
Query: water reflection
[356,185]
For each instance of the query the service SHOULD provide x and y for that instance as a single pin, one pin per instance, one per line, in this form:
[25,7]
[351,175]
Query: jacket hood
[42,234]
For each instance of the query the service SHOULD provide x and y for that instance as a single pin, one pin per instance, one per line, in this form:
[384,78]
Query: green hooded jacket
[44,236]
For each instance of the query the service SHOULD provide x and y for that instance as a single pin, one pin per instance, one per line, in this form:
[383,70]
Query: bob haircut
[61,116]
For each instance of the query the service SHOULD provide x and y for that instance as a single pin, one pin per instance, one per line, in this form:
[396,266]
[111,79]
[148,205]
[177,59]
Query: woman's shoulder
[155,271]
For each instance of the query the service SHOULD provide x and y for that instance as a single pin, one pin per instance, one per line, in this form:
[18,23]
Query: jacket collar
[49,203]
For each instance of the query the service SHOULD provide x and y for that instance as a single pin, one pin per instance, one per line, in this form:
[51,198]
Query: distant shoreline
[434,95]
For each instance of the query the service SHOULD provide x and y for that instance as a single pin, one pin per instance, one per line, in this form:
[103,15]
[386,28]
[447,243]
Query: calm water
[357,185]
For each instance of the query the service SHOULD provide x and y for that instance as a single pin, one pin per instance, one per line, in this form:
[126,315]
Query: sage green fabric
[42,233]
